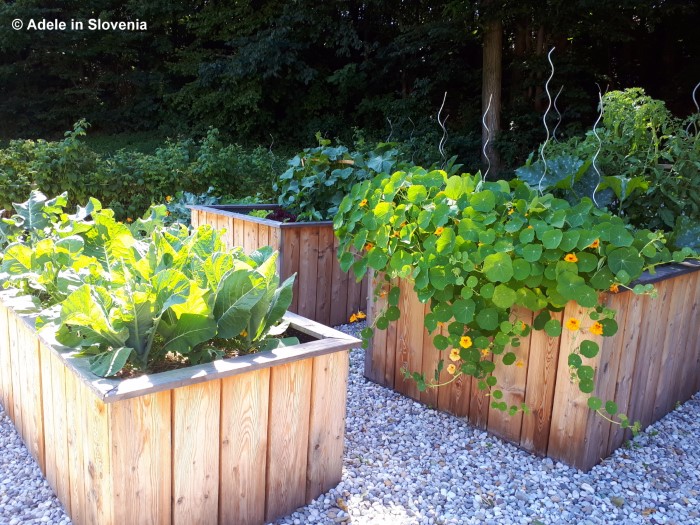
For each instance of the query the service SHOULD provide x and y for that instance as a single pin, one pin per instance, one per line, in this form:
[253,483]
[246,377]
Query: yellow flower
[570,257]
[614,288]
[168,198]
[465,341]
[363,203]
[167,213]
[529,226]
[439,230]
[129,219]
[596,328]
[361,315]
[519,364]
[396,234]
[353,318]
[244,333]
[454,355]
[573,324]
[451,369]
[485,352]
[510,212]
[594,244]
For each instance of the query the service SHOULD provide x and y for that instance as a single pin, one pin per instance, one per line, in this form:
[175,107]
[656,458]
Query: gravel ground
[407,464]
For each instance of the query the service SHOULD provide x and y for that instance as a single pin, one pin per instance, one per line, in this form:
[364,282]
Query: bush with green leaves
[129,294]
[649,164]
[475,250]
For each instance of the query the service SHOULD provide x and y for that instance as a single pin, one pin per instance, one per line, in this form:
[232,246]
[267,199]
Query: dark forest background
[264,72]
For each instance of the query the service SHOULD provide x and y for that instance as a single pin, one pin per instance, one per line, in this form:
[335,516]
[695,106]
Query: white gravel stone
[406,464]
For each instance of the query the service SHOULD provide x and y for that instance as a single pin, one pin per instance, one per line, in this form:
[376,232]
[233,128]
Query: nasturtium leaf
[527,235]
[509,358]
[346,260]
[498,267]
[367,333]
[532,252]
[439,277]
[416,194]
[481,342]
[552,238]
[541,319]
[589,348]
[611,408]
[442,312]
[392,313]
[521,269]
[594,403]
[501,339]
[394,295]
[552,328]
[497,394]
[487,319]
[585,372]
[446,241]
[503,296]
[619,236]
[487,367]
[587,262]
[382,322]
[575,360]
[359,268]
[586,386]
[586,296]
[569,240]
[487,236]
[441,342]
[569,285]
[602,279]
[483,201]
[377,258]
[623,277]
[609,327]
[463,310]
[487,290]
[383,212]
[626,259]
[472,281]
[491,381]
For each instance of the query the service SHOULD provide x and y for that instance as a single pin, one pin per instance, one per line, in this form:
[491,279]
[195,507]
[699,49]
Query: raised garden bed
[651,364]
[322,291]
[243,440]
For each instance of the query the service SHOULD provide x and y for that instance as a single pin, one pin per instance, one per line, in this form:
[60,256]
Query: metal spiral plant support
[443,140]
[697,109]
[486,143]
[600,146]
[391,130]
[544,121]
[554,131]
[410,139]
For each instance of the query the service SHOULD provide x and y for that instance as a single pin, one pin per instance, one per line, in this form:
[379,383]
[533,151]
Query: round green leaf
[611,408]
[552,328]
[589,349]
[552,238]
[487,319]
[609,327]
[498,267]
[594,403]
[575,360]
[503,296]
[393,313]
[497,394]
[463,310]
[532,252]
[509,358]
[521,269]
[585,372]
[586,386]
[382,323]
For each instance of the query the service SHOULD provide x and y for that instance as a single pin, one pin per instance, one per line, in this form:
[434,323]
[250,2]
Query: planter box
[322,291]
[243,440]
[652,363]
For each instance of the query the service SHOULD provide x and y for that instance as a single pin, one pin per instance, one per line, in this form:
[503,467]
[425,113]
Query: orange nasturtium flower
[439,230]
[614,288]
[570,257]
[573,324]
[361,315]
[510,212]
[596,328]
[594,244]
[465,341]
[451,369]
[369,246]
[353,318]
[168,198]
[244,333]
[485,352]
[454,355]
[363,203]
[129,219]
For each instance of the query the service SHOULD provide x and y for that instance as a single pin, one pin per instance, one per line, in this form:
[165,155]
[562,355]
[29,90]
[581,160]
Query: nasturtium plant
[477,250]
[130,294]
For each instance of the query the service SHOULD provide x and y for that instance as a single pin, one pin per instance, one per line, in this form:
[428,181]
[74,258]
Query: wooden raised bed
[322,291]
[652,363]
[243,440]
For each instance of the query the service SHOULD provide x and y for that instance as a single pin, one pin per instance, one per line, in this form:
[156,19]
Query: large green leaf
[238,292]
[182,333]
[108,363]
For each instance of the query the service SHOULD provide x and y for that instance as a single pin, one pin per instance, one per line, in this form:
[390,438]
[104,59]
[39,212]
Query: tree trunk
[491,90]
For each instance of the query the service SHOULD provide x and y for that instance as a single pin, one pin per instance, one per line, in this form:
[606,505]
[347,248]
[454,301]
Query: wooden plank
[290,263]
[6,397]
[308,271]
[354,296]
[539,395]
[339,289]
[17,379]
[32,416]
[326,254]
[244,413]
[512,381]
[194,218]
[391,350]
[375,353]
[479,403]
[692,349]
[409,342]
[221,223]
[195,469]
[50,404]
[454,396]
[59,445]
[250,237]
[141,459]
[688,345]
[327,423]
[627,366]
[288,433]
[75,434]
[263,235]
[97,468]
[429,365]
[239,232]
[676,327]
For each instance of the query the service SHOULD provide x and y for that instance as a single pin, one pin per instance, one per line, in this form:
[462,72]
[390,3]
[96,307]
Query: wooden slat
[239,232]
[454,397]
[194,218]
[76,432]
[375,353]
[326,423]
[141,459]
[479,403]
[51,402]
[6,397]
[409,341]
[429,365]
[97,467]
[326,254]
[288,432]
[263,235]
[250,237]
[290,263]
[221,223]
[539,396]
[512,381]
[195,468]
[308,271]
[354,296]
[59,445]
[390,358]
[244,413]
[15,367]
[32,417]
[339,289]
[691,373]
